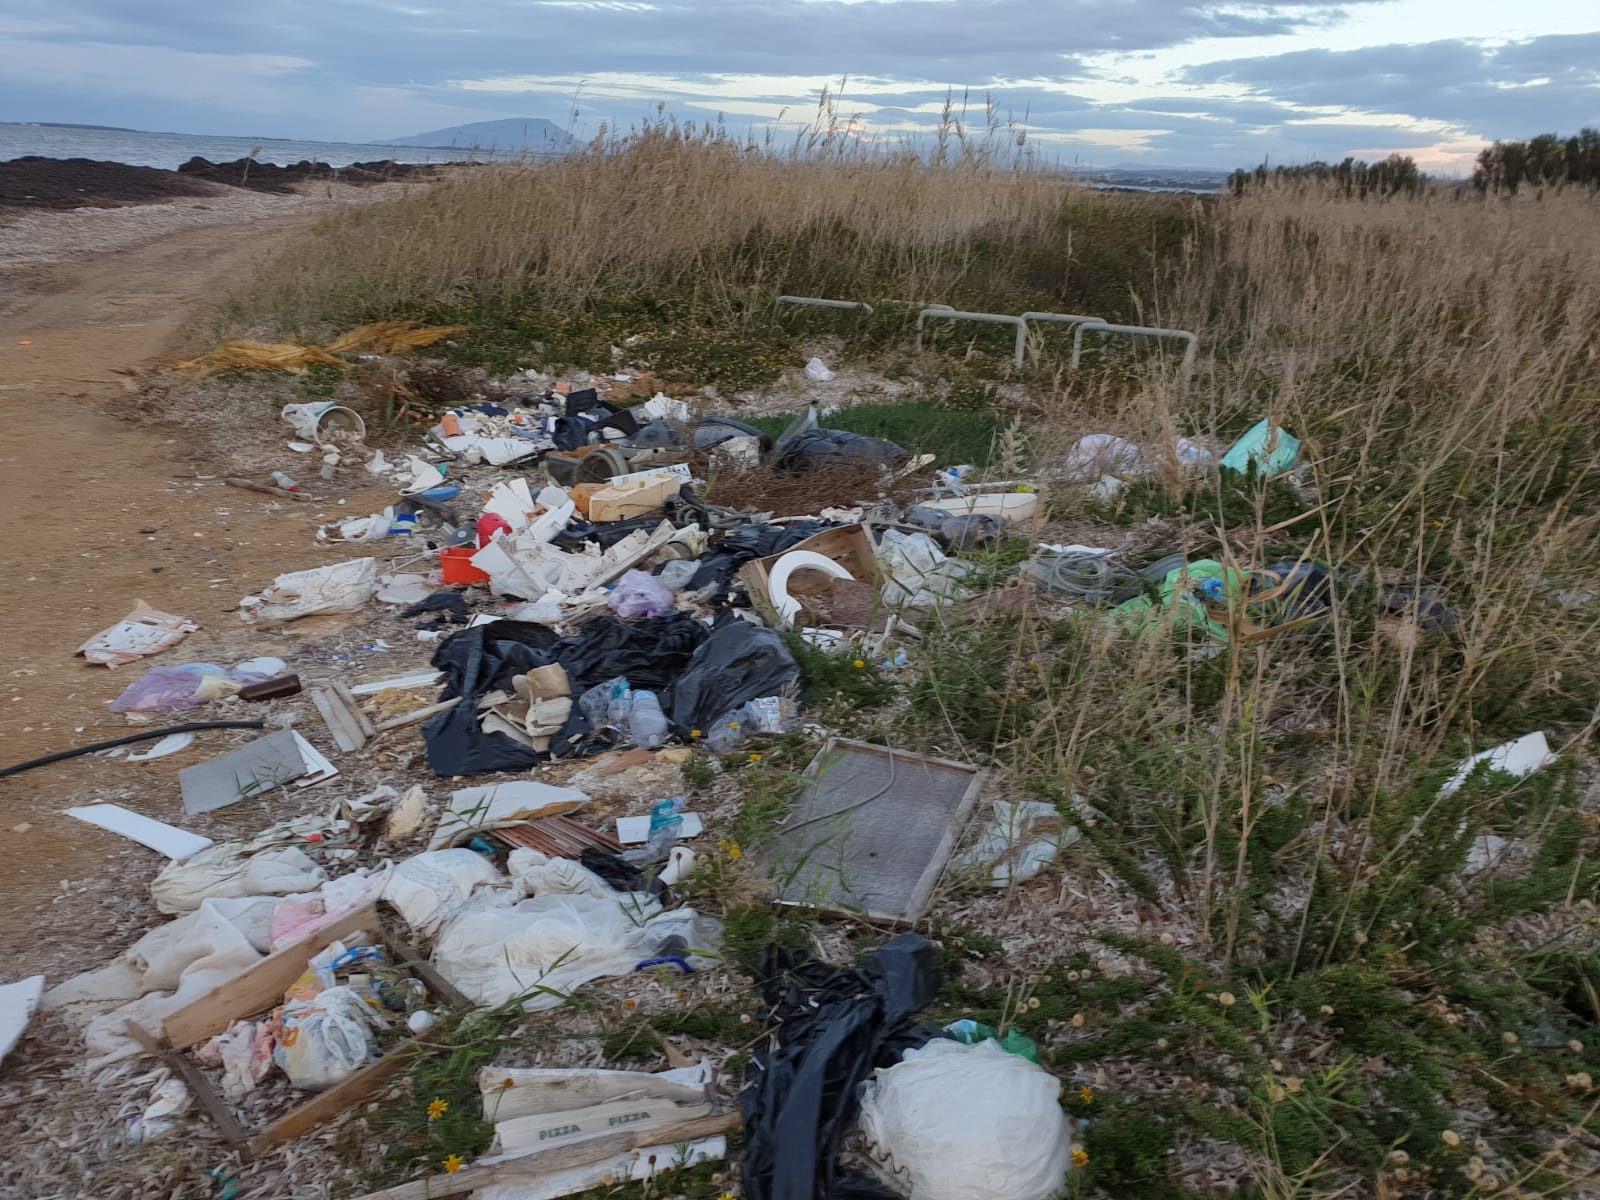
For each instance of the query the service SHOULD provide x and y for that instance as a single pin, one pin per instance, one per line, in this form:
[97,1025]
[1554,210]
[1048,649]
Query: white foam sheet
[177,844]
[17,1004]
[636,830]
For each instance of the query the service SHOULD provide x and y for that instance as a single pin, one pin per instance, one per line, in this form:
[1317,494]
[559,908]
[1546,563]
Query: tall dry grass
[692,216]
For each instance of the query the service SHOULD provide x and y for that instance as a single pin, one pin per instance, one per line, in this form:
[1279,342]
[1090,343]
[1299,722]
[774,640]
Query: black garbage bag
[831,1028]
[476,661]
[746,544]
[649,653]
[452,607]
[814,448]
[738,662]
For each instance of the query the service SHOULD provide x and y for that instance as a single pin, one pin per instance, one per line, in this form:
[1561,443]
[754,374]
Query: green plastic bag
[969,1033]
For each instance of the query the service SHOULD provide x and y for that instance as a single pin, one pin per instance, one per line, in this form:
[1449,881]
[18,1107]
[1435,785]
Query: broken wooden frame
[261,988]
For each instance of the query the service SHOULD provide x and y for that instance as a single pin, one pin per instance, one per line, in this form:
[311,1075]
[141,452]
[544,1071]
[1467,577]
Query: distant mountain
[534,135]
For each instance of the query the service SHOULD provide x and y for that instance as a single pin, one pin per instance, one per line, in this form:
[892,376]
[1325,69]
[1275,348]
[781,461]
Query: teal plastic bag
[1272,451]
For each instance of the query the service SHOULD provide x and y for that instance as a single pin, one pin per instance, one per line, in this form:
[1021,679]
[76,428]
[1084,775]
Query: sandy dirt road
[101,510]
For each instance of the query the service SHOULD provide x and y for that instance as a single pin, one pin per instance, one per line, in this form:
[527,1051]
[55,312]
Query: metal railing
[1137,331]
[818,302]
[951,314]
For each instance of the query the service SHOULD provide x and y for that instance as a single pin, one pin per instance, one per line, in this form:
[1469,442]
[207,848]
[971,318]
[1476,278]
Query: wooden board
[227,1124]
[263,985]
[871,830]
[335,1100]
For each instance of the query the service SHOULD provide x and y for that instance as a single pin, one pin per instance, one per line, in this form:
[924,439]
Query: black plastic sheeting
[746,544]
[831,1028]
[814,448]
[651,654]
[738,662]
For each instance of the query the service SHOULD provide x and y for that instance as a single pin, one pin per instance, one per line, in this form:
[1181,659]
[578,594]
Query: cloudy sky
[1098,82]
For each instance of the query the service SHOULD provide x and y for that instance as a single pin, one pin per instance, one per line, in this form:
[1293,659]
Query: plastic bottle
[283,481]
[730,731]
[665,823]
[621,705]
[646,722]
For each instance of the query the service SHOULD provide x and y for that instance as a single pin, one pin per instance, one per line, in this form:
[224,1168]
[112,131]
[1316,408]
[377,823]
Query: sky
[1100,83]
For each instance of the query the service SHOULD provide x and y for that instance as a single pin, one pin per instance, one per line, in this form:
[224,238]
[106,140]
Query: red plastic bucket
[456,562]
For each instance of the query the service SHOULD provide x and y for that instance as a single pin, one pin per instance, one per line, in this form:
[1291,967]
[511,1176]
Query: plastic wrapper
[638,594]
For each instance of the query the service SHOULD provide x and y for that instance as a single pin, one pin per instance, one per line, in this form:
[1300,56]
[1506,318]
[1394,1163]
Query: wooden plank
[262,986]
[227,1124]
[345,733]
[403,954]
[353,708]
[335,1100]
[411,718]
[544,1162]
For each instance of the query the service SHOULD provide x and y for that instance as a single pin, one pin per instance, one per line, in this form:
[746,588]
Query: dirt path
[99,514]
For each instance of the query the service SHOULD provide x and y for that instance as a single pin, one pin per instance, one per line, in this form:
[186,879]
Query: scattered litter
[476,809]
[1019,840]
[405,820]
[817,371]
[950,1122]
[253,770]
[415,680]
[871,830]
[635,831]
[170,744]
[169,1099]
[143,632]
[1523,756]
[17,1003]
[177,844]
[326,1039]
[335,588]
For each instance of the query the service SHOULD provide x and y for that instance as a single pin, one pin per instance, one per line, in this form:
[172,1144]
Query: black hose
[146,736]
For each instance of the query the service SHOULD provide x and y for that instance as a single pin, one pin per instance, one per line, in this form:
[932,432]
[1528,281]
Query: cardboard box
[626,500]
[850,546]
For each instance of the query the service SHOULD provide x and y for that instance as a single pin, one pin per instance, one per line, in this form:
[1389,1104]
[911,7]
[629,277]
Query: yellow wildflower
[859,665]
[1080,1156]
[755,758]
[1086,1094]
[437,1108]
[734,852]
[452,1164]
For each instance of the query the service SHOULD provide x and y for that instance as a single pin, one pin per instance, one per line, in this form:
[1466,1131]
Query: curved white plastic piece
[798,560]
[680,865]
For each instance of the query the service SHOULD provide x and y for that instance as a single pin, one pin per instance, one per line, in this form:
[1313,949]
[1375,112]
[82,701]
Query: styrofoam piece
[633,831]
[553,522]
[513,503]
[17,1004]
[1009,506]
[1521,757]
[419,679]
[679,472]
[497,452]
[318,767]
[170,744]
[177,844]
[798,560]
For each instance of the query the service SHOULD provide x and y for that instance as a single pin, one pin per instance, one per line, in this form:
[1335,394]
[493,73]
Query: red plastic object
[456,562]
[490,524]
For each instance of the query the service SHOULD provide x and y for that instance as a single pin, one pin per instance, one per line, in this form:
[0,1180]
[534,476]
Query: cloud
[1082,75]
[1506,91]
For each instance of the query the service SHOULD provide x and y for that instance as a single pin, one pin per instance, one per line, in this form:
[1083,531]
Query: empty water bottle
[730,731]
[666,822]
[646,722]
[283,481]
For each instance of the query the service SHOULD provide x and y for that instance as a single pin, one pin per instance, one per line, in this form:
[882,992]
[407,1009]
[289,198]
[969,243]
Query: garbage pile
[576,592]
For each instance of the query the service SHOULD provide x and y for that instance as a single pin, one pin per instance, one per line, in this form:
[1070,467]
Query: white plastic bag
[919,573]
[817,371]
[327,1039]
[230,870]
[540,875]
[337,587]
[430,888]
[951,1122]
[544,948]
[1019,840]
